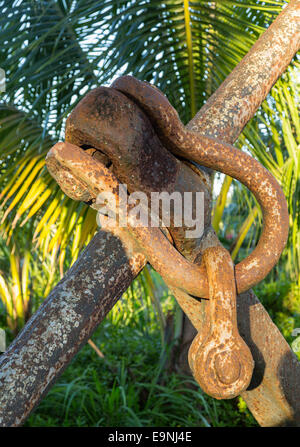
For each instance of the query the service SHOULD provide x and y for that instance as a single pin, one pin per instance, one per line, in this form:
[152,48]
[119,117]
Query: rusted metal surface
[274,395]
[177,271]
[234,103]
[63,323]
[225,158]
[124,148]
[108,121]
[219,358]
[74,169]
[214,366]
[87,170]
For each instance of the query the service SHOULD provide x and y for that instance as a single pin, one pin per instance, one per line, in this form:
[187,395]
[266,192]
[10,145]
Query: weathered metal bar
[274,395]
[25,379]
[274,392]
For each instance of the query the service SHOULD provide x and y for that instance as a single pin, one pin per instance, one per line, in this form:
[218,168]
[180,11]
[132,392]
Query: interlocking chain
[220,360]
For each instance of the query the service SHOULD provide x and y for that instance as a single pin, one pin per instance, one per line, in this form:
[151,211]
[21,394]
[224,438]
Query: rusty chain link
[220,360]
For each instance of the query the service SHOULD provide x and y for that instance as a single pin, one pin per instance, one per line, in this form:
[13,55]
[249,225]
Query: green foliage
[25,280]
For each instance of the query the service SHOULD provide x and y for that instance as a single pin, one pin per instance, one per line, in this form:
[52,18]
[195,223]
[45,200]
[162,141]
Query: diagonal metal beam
[69,315]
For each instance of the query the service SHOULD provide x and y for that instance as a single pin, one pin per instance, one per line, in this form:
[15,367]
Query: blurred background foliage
[53,52]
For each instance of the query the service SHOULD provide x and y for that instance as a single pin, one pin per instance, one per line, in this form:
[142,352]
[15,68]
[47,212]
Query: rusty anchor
[219,358]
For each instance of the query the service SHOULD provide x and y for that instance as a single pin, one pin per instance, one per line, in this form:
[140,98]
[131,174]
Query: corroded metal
[225,158]
[93,173]
[222,367]
[273,396]
[219,358]
[80,175]
[274,393]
